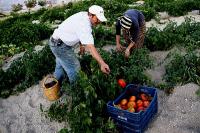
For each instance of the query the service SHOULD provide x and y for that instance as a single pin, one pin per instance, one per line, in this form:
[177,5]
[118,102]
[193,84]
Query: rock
[137,3]
[38,48]
[109,48]
[57,21]
[163,21]
[54,26]
[140,2]
[163,15]
[35,22]
[10,60]
[194,12]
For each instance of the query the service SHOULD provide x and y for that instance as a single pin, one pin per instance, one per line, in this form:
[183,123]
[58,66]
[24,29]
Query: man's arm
[104,67]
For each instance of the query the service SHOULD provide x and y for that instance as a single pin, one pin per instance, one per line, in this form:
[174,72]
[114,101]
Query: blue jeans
[66,61]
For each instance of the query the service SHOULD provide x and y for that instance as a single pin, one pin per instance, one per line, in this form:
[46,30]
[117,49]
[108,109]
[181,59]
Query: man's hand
[82,50]
[105,68]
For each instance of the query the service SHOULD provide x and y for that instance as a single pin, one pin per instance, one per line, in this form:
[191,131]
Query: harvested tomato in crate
[134,108]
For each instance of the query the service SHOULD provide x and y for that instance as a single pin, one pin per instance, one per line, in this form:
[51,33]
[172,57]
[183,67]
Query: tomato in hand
[121,83]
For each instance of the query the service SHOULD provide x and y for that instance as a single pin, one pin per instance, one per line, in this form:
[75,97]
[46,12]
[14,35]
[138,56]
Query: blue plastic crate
[133,122]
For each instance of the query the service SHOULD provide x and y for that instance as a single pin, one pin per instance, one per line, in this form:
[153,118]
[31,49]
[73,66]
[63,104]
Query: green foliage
[189,33]
[113,10]
[126,1]
[161,40]
[166,87]
[88,112]
[26,71]
[185,35]
[57,13]
[103,35]
[9,50]
[94,89]
[30,35]
[2,57]
[42,2]
[26,30]
[16,7]
[181,7]
[198,92]
[183,69]
[158,5]
[30,3]
[37,15]
[58,111]
[174,7]
[64,130]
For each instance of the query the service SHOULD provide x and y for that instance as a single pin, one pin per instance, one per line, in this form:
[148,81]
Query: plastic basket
[128,122]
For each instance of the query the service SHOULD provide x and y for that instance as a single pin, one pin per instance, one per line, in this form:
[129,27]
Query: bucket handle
[47,77]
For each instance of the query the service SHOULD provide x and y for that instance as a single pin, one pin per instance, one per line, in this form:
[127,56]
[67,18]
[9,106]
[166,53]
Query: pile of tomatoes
[135,104]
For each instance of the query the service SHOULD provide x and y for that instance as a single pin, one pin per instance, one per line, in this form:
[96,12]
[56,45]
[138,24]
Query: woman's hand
[127,52]
[120,48]
[128,49]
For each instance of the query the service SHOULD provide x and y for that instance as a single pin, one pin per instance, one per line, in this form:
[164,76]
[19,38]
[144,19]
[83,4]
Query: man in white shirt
[77,28]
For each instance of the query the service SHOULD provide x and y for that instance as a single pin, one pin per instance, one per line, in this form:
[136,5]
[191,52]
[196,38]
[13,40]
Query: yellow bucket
[51,90]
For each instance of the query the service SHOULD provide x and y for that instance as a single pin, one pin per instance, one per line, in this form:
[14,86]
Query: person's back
[76,28]
[133,27]
[134,15]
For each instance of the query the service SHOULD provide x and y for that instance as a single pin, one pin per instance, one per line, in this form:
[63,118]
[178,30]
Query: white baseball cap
[98,11]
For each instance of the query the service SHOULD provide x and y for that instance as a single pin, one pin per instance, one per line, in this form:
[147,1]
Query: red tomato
[132,99]
[131,104]
[123,102]
[146,103]
[121,83]
[139,103]
[144,97]
[140,109]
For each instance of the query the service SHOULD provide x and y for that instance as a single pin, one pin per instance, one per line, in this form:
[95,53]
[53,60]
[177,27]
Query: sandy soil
[21,114]
[177,113]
